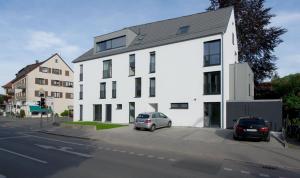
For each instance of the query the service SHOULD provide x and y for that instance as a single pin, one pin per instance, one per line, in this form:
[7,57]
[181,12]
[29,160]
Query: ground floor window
[80,112]
[212,114]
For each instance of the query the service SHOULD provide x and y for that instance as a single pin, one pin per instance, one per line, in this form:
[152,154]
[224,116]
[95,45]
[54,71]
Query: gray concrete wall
[241,82]
[270,110]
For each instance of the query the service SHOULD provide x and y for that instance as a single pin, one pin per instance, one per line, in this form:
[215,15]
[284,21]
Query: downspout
[222,75]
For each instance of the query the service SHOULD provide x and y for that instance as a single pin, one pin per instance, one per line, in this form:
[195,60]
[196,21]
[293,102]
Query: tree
[256,37]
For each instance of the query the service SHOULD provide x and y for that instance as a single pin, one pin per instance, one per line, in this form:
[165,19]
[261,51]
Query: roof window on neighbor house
[183,30]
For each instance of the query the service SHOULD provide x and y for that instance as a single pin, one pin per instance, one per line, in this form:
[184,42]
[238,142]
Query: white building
[180,67]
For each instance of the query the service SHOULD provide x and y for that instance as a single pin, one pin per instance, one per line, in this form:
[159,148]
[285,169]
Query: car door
[164,120]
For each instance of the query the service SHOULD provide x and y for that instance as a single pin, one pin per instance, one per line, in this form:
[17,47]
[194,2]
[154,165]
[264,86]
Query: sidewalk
[198,142]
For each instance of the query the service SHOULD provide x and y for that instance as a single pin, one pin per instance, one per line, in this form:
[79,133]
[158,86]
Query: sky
[35,29]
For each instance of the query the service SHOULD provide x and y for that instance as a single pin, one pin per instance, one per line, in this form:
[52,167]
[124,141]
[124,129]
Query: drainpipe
[222,82]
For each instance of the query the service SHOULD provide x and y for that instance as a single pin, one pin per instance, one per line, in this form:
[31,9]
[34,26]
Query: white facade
[179,78]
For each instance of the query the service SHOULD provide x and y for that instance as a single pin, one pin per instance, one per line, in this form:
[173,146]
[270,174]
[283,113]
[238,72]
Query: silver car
[152,121]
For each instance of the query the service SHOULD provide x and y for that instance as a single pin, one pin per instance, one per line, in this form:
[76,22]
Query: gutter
[222,85]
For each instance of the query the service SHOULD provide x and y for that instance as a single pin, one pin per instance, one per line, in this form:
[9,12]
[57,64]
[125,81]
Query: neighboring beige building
[52,77]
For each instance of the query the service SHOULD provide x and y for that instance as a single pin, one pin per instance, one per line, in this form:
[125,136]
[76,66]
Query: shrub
[22,113]
[65,113]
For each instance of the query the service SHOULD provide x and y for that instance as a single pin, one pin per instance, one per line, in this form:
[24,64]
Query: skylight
[183,30]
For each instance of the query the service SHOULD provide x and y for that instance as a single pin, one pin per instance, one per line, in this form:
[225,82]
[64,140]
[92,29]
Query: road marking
[245,172]
[150,156]
[122,151]
[172,159]
[161,158]
[21,136]
[107,149]
[114,150]
[227,169]
[140,154]
[263,175]
[55,140]
[64,149]
[23,156]
[2,176]
[132,153]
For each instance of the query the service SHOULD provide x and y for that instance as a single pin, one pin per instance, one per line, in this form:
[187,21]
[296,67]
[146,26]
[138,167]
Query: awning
[38,109]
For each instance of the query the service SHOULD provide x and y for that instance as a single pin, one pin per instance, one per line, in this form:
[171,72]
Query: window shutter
[61,83]
[61,95]
[46,93]
[46,81]
[49,70]
[60,72]
[36,81]
[40,69]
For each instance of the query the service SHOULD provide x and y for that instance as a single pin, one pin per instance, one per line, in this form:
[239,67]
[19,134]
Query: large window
[41,81]
[152,62]
[152,87]
[138,87]
[107,69]
[102,90]
[81,73]
[179,105]
[56,71]
[131,65]
[111,44]
[212,53]
[81,92]
[212,83]
[114,89]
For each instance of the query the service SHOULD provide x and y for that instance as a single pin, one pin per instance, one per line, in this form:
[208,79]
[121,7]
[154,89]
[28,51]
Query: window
[56,83]
[212,83]
[119,106]
[107,69]
[179,105]
[56,71]
[232,38]
[81,73]
[212,53]
[152,87]
[114,89]
[57,94]
[45,69]
[152,62]
[212,114]
[68,84]
[183,30]
[131,65]
[138,87]
[111,44]
[41,81]
[56,60]
[81,92]
[102,90]
[67,73]
[69,96]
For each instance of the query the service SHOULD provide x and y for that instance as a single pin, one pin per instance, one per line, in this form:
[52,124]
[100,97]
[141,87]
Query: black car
[252,128]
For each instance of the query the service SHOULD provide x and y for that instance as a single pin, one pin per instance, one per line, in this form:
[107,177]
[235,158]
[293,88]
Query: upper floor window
[67,73]
[138,87]
[111,44]
[132,65]
[212,53]
[152,87]
[45,69]
[56,83]
[56,71]
[80,92]
[212,83]
[152,62]
[41,81]
[107,69]
[102,90]
[114,89]
[81,73]
[57,94]
[69,96]
[68,84]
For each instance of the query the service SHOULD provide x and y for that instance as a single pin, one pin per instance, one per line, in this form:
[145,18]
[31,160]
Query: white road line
[245,172]
[122,151]
[2,176]
[140,154]
[172,159]
[64,149]
[107,149]
[227,169]
[150,156]
[263,175]
[114,150]
[281,177]
[161,158]
[23,156]
[132,153]
[55,140]
[21,136]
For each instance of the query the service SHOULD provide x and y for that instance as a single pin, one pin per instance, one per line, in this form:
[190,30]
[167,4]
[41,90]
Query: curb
[64,135]
[282,142]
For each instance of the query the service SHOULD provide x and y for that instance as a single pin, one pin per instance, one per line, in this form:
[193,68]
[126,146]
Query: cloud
[287,17]
[40,41]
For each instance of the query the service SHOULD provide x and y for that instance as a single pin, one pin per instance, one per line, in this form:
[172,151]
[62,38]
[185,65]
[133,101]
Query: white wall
[179,78]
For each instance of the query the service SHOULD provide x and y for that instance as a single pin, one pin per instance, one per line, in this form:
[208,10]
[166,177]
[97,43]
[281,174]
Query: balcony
[21,86]
[20,98]
[10,91]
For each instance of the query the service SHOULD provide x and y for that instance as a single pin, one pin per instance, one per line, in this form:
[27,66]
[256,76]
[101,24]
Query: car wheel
[137,128]
[152,128]
[234,137]
[169,124]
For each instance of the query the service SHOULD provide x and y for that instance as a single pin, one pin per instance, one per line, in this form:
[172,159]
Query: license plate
[251,130]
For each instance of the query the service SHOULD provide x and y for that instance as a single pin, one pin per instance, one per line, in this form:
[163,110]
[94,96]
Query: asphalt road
[29,154]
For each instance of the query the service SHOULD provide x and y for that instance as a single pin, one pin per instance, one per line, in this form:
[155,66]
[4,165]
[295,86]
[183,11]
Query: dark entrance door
[212,114]
[131,112]
[97,112]
[108,113]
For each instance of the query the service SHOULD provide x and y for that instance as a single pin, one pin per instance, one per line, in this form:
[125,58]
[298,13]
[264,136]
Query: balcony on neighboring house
[21,86]
[20,97]
[10,91]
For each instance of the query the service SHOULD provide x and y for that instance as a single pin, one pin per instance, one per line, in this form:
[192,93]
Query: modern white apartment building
[51,77]
[184,67]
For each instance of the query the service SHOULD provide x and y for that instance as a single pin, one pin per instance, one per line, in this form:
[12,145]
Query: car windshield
[252,121]
[143,116]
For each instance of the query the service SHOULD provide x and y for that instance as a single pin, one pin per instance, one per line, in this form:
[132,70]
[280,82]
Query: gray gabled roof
[164,32]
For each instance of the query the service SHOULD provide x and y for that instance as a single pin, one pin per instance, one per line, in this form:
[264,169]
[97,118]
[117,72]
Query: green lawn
[99,125]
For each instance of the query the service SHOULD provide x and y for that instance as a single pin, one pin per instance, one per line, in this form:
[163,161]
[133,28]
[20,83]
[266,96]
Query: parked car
[152,121]
[298,133]
[251,127]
